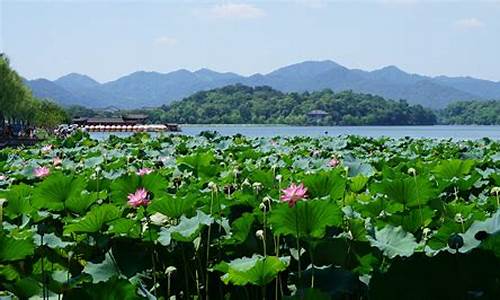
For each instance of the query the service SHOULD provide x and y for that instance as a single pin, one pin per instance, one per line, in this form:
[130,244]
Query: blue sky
[109,39]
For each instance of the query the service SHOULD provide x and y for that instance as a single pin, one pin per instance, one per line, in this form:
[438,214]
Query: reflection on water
[438,132]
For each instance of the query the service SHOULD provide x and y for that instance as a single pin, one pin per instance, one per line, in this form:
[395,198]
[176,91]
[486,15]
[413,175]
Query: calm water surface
[437,132]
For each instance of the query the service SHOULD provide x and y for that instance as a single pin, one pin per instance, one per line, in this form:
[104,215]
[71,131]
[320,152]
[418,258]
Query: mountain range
[151,89]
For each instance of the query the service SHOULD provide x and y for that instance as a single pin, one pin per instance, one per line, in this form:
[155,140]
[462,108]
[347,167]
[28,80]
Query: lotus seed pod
[279,177]
[495,190]
[262,206]
[170,270]
[260,234]
[455,241]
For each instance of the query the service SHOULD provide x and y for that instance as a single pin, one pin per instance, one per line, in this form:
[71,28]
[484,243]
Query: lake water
[457,132]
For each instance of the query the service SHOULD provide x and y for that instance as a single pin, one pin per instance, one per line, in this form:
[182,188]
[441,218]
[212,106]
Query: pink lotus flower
[333,162]
[139,198]
[46,148]
[144,171]
[41,172]
[56,161]
[293,194]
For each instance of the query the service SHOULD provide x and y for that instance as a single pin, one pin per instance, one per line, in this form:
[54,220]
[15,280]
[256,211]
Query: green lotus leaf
[393,241]
[18,202]
[413,220]
[324,184]
[356,168]
[94,219]
[199,163]
[358,183]
[102,271]
[256,270]
[240,229]
[125,227]
[264,177]
[123,186]
[51,240]
[9,272]
[489,226]
[187,229]
[173,207]
[57,190]
[453,168]
[154,183]
[311,218]
[14,249]
[409,191]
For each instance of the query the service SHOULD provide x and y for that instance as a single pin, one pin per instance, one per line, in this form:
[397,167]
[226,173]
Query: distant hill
[150,89]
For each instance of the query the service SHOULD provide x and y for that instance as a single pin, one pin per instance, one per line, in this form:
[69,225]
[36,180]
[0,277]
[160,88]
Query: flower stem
[208,246]
[152,255]
[298,244]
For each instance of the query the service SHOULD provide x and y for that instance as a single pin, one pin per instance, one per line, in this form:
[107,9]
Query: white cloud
[236,11]
[165,40]
[469,23]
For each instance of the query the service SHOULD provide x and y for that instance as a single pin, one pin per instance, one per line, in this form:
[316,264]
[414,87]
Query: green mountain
[148,89]
[238,104]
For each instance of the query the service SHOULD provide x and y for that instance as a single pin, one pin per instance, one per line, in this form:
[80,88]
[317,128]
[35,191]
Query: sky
[109,39]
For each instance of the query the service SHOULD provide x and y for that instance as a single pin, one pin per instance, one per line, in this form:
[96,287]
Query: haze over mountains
[151,89]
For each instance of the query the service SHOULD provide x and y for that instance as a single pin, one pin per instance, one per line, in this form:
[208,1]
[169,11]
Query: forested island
[239,104]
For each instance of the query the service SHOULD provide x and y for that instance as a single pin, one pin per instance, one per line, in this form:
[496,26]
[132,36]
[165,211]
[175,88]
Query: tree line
[239,104]
[472,112]
[19,107]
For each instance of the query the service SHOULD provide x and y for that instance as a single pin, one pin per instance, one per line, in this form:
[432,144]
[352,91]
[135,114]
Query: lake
[457,132]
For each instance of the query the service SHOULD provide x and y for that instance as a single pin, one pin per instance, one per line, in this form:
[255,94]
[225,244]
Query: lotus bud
[257,186]
[459,218]
[412,171]
[212,186]
[495,190]
[260,234]
[170,270]
[426,233]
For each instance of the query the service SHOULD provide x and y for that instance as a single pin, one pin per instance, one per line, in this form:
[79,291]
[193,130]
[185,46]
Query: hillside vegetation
[472,112]
[17,104]
[238,104]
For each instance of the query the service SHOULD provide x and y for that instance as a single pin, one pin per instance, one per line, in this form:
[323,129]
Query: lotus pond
[213,217]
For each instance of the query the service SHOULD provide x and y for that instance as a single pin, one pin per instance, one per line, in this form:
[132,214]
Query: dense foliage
[18,105]
[238,104]
[202,217]
[472,112]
